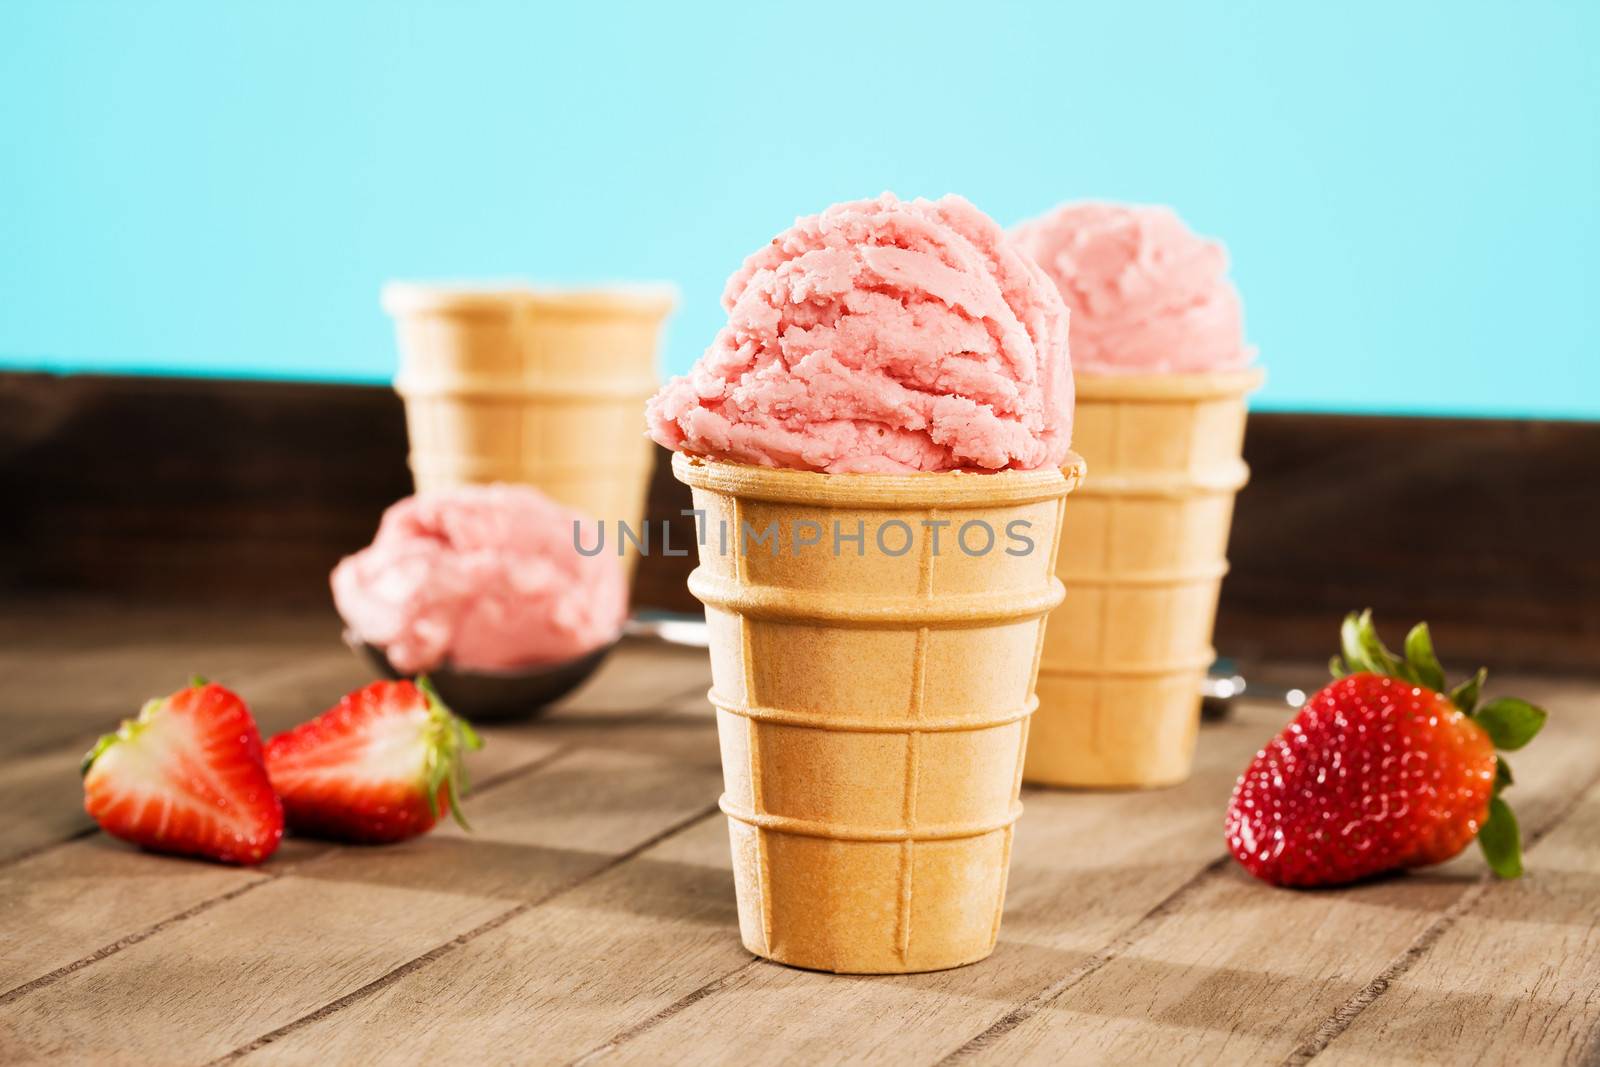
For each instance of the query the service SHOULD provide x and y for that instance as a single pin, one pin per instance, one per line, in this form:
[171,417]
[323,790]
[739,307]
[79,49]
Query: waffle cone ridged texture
[525,385]
[873,707]
[1142,558]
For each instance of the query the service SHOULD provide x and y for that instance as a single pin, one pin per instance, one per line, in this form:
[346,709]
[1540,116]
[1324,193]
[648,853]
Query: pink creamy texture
[1147,296]
[881,336]
[481,577]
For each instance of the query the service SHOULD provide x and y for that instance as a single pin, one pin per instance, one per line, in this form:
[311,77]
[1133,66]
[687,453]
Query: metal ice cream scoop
[484,696]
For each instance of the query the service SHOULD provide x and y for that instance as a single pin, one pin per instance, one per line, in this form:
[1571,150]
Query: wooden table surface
[591,917]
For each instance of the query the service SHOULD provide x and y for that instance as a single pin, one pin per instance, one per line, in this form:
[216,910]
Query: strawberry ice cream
[1147,296]
[480,577]
[881,336]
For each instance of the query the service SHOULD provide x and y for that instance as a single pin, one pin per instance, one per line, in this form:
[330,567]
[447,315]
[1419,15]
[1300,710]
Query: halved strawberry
[384,764]
[187,777]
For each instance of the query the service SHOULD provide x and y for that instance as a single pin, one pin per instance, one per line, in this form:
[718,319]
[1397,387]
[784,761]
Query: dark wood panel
[1487,528]
[249,492]
[189,488]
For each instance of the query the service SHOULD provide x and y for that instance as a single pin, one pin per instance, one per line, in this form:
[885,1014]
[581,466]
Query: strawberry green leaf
[466,739]
[198,680]
[1502,774]
[1511,723]
[1465,696]
[1501,840]
[455,804]
[438,775]
[1376,655]
[424,683]
[1355,654]
[452,736]
[1336,667]
[1419,654]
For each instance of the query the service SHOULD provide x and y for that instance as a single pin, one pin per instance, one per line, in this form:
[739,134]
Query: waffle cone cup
[518,384]
[1142,557]
[873,705]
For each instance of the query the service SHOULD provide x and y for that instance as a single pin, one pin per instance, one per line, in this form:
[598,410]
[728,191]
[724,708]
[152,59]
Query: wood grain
[342,921]
[61,906]
[41,790]
[1242,972]
[664,925]
[623,947]
[1346,511]
[1085,867]
[1483,527]
[73,671]
[171,488]
[70,671]
[1513,978]
[64,904]
[591,918]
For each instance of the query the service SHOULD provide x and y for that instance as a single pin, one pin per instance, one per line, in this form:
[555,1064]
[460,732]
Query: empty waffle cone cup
[542,387]
[873,654]
[1143,554]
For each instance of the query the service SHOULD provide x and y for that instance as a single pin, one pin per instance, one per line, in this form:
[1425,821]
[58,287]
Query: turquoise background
[1408,190]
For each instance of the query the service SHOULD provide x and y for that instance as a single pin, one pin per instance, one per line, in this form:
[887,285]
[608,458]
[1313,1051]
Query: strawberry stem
[1419,654]
[1502,774]
[450,737]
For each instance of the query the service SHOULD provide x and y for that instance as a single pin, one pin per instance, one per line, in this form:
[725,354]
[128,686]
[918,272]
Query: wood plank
[68,907]
[282,669]
[42,792]
[253,495]
[664,925]
[1240,971]
[592,918]
[70,672]
[336,926]
[68,676]
[1085,866]
[64,906]
[1513,978]
[96,472]
[67,904]
[549,984]
[644,675]
[1294,529]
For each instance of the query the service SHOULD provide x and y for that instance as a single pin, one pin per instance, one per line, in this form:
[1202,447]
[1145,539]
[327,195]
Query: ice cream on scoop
[482,577]
[1147,295]
[881,336]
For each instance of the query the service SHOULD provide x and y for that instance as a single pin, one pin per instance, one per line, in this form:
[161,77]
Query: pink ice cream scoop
[480,577]
[1147,296]
[881,336]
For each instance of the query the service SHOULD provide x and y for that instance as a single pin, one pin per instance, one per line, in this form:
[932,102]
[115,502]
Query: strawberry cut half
[186,777]
[382,765]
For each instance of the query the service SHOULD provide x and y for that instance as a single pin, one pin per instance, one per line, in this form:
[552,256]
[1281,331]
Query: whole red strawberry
[384,764]
[186,777]
[1381,770]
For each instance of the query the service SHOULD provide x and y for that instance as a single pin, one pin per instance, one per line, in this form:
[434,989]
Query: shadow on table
[640,885]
